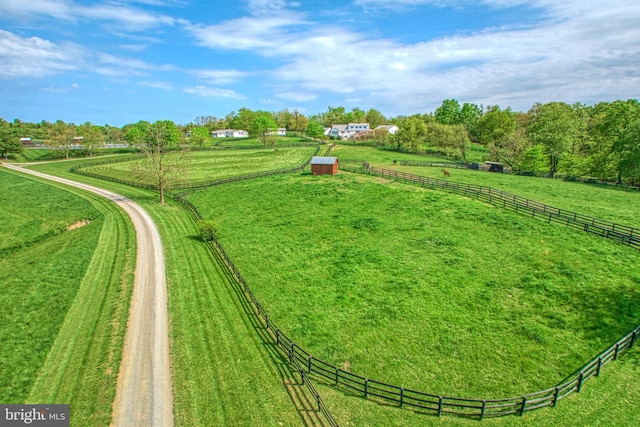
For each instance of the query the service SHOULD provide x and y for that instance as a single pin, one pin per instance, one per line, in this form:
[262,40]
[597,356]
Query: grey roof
[317,160]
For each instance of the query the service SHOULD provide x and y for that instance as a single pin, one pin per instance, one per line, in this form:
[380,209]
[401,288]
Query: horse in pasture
[445,173]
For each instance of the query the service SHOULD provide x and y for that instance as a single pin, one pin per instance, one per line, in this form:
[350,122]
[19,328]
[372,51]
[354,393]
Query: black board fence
[620,233]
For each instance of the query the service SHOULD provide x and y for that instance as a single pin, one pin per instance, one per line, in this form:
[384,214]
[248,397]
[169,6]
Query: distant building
[229,133]
[324,165]
[392,129]
[349,130]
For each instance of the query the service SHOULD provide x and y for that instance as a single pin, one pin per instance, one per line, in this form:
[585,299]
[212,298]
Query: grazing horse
[445,173]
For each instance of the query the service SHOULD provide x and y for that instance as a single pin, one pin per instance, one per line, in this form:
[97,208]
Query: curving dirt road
[143,396]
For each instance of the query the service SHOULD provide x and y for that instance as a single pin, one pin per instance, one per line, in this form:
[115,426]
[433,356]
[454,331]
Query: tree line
[601,140]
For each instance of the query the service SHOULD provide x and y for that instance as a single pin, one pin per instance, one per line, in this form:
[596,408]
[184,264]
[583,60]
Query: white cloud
[212,92]
[584,50]
[296,96]
[131,18]
[158,85]
[218,77]
[36,57]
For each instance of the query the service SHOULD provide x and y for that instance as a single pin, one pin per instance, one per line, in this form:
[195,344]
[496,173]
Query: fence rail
[621,233]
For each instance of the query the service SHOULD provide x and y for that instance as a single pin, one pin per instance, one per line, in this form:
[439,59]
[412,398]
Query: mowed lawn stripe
[82,367]
[217,351]
[196,320]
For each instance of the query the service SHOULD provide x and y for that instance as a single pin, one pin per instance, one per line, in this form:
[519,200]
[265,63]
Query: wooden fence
[620,233]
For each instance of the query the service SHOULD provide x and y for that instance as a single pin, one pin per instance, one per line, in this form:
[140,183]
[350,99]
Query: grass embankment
[67,290]
[204,166]
[424,289]
[224,371]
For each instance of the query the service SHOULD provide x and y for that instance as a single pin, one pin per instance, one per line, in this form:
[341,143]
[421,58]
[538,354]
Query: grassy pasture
[68,295]
[423,289]
[604,400]
[615,205]
[205,166]
[225,372]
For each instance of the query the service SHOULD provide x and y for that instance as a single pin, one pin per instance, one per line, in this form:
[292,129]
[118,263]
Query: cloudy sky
[120,61]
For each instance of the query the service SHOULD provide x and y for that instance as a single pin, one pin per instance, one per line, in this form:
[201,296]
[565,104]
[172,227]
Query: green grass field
[203,166]
[225,371]
[615,205]
[310,245]
[372,276]
[66,292]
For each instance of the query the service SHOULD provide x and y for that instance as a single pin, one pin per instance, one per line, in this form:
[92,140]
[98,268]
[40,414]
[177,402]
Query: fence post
[401,397]
[580,382]
[439,406]
[484,405]
[555,397]
[615,353]
[366,387]
[633,338]
[310,362]
[599,366]
[337,376]
[524,405]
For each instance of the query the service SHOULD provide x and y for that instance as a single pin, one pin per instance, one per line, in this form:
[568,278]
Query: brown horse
[445,173]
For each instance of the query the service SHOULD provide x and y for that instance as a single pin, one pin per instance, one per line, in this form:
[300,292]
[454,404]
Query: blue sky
[120,61]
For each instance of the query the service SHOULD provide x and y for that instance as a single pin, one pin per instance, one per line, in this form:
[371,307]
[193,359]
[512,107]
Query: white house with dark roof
[348,131]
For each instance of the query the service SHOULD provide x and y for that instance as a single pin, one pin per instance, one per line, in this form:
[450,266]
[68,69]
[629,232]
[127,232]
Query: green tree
[628,145]
[375,118]
[315,129]
[411,133]
[61,136]
[199,135]
[495,126]
[470,114]
[449,113]
[9,143]
[264,127]
[556,126]
[165,155]
[534,159]
[93,136]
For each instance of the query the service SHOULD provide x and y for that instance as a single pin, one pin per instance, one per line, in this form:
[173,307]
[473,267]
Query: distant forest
[600,141]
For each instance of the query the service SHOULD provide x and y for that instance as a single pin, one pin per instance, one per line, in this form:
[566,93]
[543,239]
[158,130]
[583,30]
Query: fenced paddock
[620,233]
[310,367]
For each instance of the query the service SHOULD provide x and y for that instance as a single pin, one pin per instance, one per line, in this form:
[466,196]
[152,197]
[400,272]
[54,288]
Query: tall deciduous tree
[61,136]
[165,154]
[315,129]
[9,143]
[449,113]
[199,135]
[411,133]
[556,126]
[264,127]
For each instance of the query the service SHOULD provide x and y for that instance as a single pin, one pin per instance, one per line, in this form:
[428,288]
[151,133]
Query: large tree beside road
[164,150]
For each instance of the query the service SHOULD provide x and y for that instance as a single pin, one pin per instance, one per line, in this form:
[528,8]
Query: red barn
[324,165]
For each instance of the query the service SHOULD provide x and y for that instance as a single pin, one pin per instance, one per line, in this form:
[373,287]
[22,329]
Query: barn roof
[317,160]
